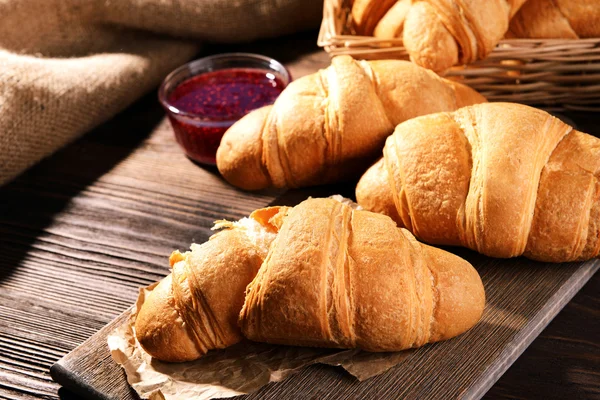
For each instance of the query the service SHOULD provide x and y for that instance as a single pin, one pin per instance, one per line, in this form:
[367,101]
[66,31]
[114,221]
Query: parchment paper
[239,369]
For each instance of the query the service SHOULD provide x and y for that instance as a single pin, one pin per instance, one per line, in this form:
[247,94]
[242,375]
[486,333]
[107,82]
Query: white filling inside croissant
[256,232]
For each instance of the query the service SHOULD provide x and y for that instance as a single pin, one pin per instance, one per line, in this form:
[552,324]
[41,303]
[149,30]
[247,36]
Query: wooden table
[80,232]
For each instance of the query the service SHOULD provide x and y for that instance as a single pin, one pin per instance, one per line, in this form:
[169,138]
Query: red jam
[217,99]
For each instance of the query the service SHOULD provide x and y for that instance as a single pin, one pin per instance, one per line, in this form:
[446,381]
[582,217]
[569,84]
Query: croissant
[196,307]
[392,23]
[367,13]
[499,178]
[344,278]
[430,294]
[441,33]
[331,125]
[567,19]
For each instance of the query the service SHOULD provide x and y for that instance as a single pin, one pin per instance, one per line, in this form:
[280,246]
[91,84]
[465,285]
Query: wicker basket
[556,74]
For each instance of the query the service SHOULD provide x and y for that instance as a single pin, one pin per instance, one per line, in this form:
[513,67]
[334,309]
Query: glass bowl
[203,98]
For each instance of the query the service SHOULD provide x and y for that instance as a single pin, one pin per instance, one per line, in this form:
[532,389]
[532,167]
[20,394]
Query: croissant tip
[239,156]
[461,294]
[159,330]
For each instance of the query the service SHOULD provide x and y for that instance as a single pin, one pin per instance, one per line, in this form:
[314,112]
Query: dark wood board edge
[64,376]
[74,383]
[527,335]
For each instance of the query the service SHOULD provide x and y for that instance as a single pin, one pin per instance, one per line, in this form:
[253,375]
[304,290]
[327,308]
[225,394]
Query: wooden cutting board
[522,298]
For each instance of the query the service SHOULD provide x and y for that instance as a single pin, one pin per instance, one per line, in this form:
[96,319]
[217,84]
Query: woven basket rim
[563,74]
[331,38]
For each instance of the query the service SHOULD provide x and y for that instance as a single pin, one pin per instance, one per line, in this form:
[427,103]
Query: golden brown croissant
[441,33]
[566,19]
[196,307]
[367,13]
[500,178]
[392,23]
[338,277]
[331,125]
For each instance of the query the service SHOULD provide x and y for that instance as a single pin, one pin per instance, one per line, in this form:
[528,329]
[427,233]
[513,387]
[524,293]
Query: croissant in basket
[328,276]
[382,19]
[502,179]
[438,34]
[367,13]
[332,125]
[563,19]
[391,25]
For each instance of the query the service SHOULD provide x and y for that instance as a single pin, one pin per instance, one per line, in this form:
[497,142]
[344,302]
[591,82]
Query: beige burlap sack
[68,65]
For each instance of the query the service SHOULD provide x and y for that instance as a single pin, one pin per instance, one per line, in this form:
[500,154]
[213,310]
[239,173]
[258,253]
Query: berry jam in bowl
[203,98]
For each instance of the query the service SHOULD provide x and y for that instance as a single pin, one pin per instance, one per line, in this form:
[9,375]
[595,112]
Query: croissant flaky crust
[196,307]
[327,276]
[502,179]
[332,125]
[338,277]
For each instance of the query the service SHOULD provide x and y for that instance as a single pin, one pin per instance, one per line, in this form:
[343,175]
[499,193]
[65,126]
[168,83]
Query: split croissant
[502,179]
[330,276]
[331,125]
[567,19]
[196,307]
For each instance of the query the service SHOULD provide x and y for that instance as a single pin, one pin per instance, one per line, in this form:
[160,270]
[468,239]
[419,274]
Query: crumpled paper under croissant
[239,369]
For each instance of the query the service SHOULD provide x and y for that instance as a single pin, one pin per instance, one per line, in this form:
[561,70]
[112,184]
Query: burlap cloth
[68,65]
